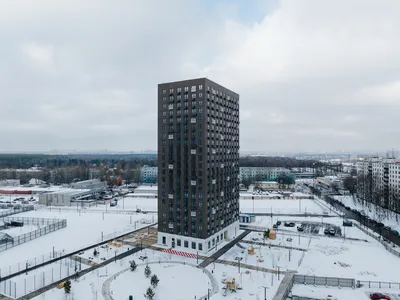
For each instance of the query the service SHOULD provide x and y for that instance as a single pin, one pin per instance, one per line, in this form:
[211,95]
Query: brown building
[198,164]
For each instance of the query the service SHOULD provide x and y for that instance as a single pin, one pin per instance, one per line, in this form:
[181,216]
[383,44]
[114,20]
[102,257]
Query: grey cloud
[83,74]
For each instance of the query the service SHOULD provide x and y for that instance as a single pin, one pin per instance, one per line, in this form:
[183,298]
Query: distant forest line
[25,161]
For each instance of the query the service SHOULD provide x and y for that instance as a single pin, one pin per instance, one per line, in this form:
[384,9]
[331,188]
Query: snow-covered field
[90,285]
[320,292]
[265,257]
[15,231]
[293,206]
[176,282]
[350,259]
[82,229]
[387,217]
[252,283]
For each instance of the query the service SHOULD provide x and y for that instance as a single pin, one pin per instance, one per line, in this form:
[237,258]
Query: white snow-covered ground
[387,217]
[320,292]
[270,258]
[252,282]
[33,280]
[82,229]
[90,285]
[15,231]
[351,259]
[177,281]
[292,206]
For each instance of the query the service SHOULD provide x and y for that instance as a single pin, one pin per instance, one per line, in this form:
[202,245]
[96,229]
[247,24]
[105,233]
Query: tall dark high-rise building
[198,164]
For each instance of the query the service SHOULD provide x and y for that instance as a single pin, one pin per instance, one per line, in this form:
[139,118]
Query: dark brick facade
[198,158]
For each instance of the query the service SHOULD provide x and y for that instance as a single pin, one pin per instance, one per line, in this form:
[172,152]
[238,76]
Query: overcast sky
[312,75]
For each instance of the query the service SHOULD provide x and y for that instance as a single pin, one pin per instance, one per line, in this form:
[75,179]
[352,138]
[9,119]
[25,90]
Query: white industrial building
[63,197]
[95,185]
[78,191]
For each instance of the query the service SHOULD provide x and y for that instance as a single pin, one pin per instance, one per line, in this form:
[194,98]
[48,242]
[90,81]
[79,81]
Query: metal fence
[326,281]
[378,284]
[27,283]
[13,210]
[50,225]
[31,262]
[305,298]
[386,245]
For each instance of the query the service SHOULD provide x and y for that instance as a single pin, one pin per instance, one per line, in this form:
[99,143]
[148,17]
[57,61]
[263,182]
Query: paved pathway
[223,250]
[274,246]
[283,289]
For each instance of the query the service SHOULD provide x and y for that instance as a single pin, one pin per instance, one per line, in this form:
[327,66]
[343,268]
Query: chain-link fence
[49,225]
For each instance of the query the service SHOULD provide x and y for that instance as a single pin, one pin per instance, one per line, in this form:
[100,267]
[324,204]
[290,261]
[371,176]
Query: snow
[15,231]
[251,282]
[82,229]
[320,292]
[375,212]
[292,206]
[350,259]
[272,257]
[176,282]
[90,285]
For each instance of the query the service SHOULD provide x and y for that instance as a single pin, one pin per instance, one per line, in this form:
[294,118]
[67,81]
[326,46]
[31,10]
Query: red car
[379,296]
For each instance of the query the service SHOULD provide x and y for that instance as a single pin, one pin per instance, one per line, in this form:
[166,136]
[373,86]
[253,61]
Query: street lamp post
[239,259]
[265,292]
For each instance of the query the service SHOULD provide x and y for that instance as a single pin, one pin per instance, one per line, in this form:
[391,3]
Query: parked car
[379,224]
[278,223]
[275,226]
[300,228]
[347,223]
[332,231]
[387,228]
[347,207]
[292,224]
[286,224]
[395,232]
[379,296]
[326,231]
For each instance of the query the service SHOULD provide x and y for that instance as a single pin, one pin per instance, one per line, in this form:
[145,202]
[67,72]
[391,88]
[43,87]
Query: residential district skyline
[312,75]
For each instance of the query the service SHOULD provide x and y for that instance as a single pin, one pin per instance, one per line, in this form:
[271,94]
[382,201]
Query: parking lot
[315,227]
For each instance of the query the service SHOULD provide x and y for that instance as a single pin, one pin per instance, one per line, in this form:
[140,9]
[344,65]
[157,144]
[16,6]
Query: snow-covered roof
[5,236]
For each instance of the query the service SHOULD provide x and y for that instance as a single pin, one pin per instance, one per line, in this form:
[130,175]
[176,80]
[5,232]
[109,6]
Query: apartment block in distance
[198,164]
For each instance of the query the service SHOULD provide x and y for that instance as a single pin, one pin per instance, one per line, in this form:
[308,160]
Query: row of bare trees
[372,191]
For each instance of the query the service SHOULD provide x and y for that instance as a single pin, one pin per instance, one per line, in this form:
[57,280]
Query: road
[348,214]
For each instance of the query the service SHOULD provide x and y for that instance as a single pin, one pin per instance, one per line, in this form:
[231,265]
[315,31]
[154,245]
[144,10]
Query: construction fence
[49,225]
[325,281]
